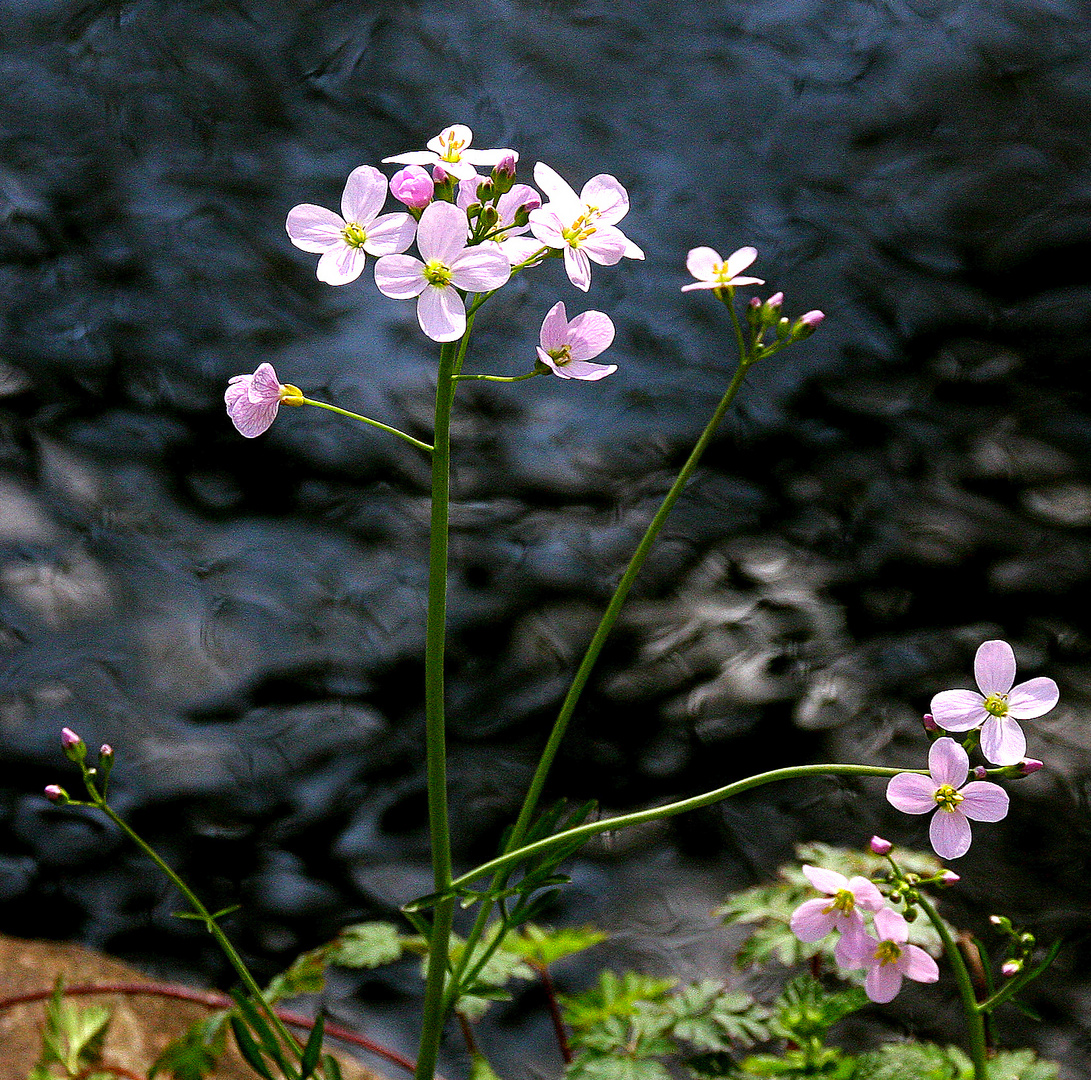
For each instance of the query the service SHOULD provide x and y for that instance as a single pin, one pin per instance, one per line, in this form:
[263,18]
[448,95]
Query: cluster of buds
[95,777]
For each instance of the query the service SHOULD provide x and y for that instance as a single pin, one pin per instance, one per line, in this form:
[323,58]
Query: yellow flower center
[354,235]
[842,901]
[561,356]
[581,228]
[452,146]
[291,395]
[888,952]
[437,273]
[947,798]
[997,704]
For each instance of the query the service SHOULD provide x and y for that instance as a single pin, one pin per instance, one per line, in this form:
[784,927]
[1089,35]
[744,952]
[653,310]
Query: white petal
[390,234]
[606,245]
[441,314]
[364,195]
[827,881]
[1003,741]
[480,269]
[590,334]
[400,276]
[557,189]
[548,227]
[958,710]
[457,133]
[605,194]
[739,260]
[701,262]
[314,228]
[341,265]
[949,832]
[810,921]
[1032,698]
[414,157]
[441,232]
[578,267]
[994,667]
[585,370]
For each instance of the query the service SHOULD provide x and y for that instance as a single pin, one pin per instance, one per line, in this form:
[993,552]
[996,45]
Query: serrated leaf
[545,947]
[1020,1065]
[613,996]
[711,1018]
[307,975]
[367,945]
[608,1067]
[72,1036]
[922,1061]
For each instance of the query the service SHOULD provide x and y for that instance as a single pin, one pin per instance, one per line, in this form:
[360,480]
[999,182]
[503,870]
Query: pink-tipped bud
[929,722]
[69,738]
[440,174]
[806,325]
[1001,922]
[1011,968]
[56,793]
[413,187]
[506,165]
[775,301]
[1031,765]
[106,751]
[880,846]
[72,745]
[949,878]
[980,772]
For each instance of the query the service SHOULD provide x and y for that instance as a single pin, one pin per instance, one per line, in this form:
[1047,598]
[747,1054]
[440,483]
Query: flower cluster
[885,954]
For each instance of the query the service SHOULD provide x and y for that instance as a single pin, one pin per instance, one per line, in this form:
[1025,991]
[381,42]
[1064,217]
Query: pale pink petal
[480,269]
[606,245]
[548,227]
[400,276]
[314,228]
[958,710]
[414,157]
[250,418]
[810,921]
[891,926]
[739,260]
[1032,698]
[634,252]
[517,249]
[578,267]
[854,945]
[557,190]
[489,157]
[340,265]
[867,895]
[390,234]
[949,832]
[460,170]
[590,334]
[520,195]
[604,194]
[1003,741]
[744,280]
[948,762]
[883,983]
[827,881]
[441,232]
[441,314]
[466,195]
[918,965]
[994,667]
[554,332]
[911,793]
[585,370]
[984,801]
[264,386]
[701,285]
[701,262]
[364,195]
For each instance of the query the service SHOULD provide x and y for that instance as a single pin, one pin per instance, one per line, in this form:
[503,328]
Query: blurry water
[242,620]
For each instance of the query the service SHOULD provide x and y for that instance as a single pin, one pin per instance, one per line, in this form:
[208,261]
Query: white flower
[449,150]
[712,272]
[567,347]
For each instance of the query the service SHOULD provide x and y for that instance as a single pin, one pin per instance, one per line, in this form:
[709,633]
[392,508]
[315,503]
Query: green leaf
[609,1067]
[194,1055]
[252,1020]
[332,1068]
[922,1061]
[712,1018]
[367,945]
[307,975]
[612,997]
[308,1062]
[72,1036]
[1020,1065]
[807,1010]
[249,1048]
[545,947]
[480,1069]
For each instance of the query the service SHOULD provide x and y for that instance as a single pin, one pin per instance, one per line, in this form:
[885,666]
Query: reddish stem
[554,1011]
[211,1000]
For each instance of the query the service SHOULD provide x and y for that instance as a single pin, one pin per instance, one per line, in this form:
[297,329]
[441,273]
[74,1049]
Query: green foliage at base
[72,1039]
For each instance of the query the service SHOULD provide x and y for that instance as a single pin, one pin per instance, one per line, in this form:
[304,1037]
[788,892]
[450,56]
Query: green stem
[503,378]
[435,733]
[367,420]
[975,1020]
[213,927]
[1015,985]
[656,813]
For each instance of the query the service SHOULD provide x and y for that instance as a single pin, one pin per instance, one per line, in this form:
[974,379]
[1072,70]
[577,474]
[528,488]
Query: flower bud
[1001,922]
[503,172]
[1031,765]
[929,722]
[440,174]
[490,216]
[910,914]
[784,328]
[1026,940]
[770,310]
[806,325]
[57,794]
[73,745]
[107,751]
[880,846]
[949,878]
[486,191]
[412,186]
[1010,968]
[980,772]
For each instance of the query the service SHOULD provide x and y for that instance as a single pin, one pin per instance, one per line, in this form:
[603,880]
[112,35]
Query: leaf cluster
[72,1039]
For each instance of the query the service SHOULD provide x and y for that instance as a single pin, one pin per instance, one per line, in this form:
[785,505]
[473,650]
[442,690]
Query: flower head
[253,400]
[955,805]
[889,957]
[840,909]
[583,226]
[567,347]
[449,150]
[998,706]
[448,265]
[712,272]
[343,240]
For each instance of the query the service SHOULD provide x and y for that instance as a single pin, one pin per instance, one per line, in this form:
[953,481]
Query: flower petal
[314,228]
[1003,741]
[414,157]
[918,965]
[883,983]
[548,227]
[826,881]
[441,313]
[701,262]
[250,419]
[340,265]
[984,801]
[948,762]
[867,895]
[585,370]
[606,245]
[739,260]
[364,195]
[554,332]
[480,269]
[891,926]
[854,945]
[578,267]
[949,832]
[589,334]
[400,276]
[390,234]
[810,921]
[1032,698]
[958,710]
[994,667]
[264,386]
[454,133]
[557,190]
[605,195]
[518,249]
[441,232]
[488,157]
[911,793]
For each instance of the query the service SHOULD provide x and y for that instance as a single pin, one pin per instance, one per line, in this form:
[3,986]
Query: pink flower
[998,706]
[943,791]
[343,241]
[889,957]
[449,150]
[566,347]
[253,400]
[413,187]
[583,226]
[712,272]
[814,919]
[448,265]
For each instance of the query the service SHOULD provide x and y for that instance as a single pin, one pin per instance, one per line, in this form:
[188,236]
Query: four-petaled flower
[583,226]
[998,706]
[448,265]
[449,150]
[839,910]
[567,347]
[889,957]
[253,400]
[712,272]
[343,241]
[943,791]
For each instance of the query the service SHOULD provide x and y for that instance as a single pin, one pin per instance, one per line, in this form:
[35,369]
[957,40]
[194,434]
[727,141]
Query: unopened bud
[486,191]
[784,328]
[55,793]
[1010,968]
[929,722]
[980,772]
[107,751]
[413,187]
[879,845]
[489,215]
[949,878]
[440,174]
[506,165]
[1026,940]
[1001,922]
[1031,765]
[753,312]
[910,914]
[806,324]
[73,745]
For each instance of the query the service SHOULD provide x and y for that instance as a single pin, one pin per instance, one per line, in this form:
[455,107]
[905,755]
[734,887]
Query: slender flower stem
[503,378]
[975,1020]
[367,420]
[450,355]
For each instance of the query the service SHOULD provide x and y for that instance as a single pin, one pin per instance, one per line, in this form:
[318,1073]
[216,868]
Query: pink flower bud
[1010,968]
[1031,765]
[755,302]
[440,174]
[776,300]
[980,772]
[69,738]
[56,793]
[107,751]
[879,845]
[929,722]
[412,186]
[811,319]
[506,164]
[949,878]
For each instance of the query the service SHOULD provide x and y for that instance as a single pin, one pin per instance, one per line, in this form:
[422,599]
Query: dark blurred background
[242,620]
